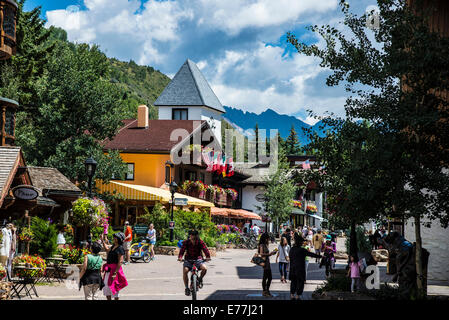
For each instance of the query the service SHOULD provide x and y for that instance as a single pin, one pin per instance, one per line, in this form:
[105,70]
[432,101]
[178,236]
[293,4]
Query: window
[167,174]
[190,175]
[180,114]
[202,177]
[130,173]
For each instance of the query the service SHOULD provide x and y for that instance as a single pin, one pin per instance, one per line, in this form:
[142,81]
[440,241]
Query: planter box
[221,199]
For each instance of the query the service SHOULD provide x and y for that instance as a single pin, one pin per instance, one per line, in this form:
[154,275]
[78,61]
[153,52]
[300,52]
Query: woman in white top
[61,239]
[283,256]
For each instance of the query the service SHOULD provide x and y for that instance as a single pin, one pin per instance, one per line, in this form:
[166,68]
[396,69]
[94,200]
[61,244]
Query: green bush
[168,243]
[44,242]
[335,283]
[98,231]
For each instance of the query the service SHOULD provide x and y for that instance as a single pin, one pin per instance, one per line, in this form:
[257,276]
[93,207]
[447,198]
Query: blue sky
[239,45]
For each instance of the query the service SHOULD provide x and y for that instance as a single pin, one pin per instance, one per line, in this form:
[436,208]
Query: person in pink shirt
[354,273]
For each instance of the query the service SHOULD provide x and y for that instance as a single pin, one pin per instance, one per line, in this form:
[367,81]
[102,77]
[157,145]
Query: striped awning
[146,193]
[234,213]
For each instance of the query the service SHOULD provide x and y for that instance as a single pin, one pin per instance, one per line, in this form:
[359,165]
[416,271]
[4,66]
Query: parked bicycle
[249,241]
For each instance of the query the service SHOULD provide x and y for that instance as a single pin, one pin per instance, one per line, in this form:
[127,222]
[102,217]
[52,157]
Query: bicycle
[250,241]
[194,281]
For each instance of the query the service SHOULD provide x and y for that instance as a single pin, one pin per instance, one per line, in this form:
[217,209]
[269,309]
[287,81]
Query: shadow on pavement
[247,295]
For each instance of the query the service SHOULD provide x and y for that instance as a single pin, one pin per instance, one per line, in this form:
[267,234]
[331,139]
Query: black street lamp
[173,188]
[91,166]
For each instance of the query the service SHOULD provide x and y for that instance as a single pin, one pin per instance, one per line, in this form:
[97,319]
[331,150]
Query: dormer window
[180,114]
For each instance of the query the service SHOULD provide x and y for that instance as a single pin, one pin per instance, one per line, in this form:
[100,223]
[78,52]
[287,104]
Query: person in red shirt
[127,242]
[193,248]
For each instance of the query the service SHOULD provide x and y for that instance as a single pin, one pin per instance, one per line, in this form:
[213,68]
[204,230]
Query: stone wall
[436,241]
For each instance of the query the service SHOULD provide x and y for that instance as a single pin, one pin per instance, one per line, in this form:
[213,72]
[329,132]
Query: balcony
[215,194]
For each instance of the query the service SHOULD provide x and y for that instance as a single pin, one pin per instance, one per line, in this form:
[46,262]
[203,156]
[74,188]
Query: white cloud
[252,76]
[234,15]
[119,25]
[267,80]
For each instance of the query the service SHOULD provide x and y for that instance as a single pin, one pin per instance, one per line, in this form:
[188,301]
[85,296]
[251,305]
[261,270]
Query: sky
[239,45]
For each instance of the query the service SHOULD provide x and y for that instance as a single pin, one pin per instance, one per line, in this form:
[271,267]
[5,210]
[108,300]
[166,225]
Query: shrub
[335,283]
[45,237]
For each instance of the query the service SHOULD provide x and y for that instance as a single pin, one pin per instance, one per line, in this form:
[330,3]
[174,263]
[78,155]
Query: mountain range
[270,119]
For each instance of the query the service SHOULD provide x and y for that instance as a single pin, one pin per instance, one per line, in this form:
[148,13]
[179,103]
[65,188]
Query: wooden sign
[25,192]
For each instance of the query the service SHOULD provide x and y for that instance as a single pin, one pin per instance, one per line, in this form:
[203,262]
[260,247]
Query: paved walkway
[231,276]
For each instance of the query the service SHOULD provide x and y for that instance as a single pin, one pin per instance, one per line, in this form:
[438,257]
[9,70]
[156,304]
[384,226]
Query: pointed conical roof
[189,88]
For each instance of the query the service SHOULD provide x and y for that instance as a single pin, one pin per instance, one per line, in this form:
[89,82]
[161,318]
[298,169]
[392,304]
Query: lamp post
[91,166]
[173,188]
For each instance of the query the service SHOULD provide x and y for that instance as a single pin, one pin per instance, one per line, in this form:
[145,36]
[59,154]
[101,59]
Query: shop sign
[171,224]
[25,192]
[181,201]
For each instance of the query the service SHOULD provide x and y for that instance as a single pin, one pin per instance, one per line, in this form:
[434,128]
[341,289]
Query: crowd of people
[293,259]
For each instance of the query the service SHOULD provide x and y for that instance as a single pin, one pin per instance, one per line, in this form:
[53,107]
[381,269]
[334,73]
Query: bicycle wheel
[146,257]
[194,286]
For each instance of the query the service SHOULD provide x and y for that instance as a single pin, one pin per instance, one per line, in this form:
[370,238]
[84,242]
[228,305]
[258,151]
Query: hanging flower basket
[89,212]
[26,235]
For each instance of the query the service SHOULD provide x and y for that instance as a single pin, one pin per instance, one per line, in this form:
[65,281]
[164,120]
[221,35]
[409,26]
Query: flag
[215,166]
[223,165]
[306,165]
[231,167]
[208,158]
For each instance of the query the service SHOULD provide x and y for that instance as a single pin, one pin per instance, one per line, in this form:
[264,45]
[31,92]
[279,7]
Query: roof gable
[189,87]
[9,162]
[156,138]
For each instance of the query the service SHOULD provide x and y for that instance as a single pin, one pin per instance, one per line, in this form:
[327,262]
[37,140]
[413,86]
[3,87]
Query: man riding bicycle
[194,248]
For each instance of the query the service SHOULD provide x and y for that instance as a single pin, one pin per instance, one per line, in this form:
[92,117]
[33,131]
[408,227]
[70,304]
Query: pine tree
[292,145]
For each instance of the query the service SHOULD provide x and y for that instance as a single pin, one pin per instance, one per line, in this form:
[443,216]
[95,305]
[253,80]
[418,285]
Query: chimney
[142,117]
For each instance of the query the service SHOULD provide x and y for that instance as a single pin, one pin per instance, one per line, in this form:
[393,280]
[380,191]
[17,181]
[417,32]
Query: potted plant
[26,235]
[30,261]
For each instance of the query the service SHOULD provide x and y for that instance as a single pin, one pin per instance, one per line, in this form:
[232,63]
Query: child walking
[282,255]
[354,273]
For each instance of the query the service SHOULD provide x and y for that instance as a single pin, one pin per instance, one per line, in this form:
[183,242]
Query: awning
[315,216]
[235,213]
[146,193]
[297,211]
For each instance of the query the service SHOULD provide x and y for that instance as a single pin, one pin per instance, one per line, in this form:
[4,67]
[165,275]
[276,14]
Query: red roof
[155,138]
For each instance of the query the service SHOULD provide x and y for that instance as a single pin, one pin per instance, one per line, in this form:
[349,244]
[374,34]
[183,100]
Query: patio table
[27,281]
[57,263]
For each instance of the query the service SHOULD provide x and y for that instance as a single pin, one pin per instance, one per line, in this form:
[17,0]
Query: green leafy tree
[280,191]
[403,75]
[29,63]
[81,108]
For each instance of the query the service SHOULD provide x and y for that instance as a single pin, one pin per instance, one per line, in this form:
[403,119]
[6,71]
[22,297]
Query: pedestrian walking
[152,238]
[354,273]
[127,241]
[90,275]
[306,245]
[317,243]
[297,267]
[114,278]
[287,235]
[309,234]
[61,239]
[282,255]
[265,253]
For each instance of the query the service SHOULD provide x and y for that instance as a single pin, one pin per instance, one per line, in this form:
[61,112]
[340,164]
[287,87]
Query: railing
[221,199]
